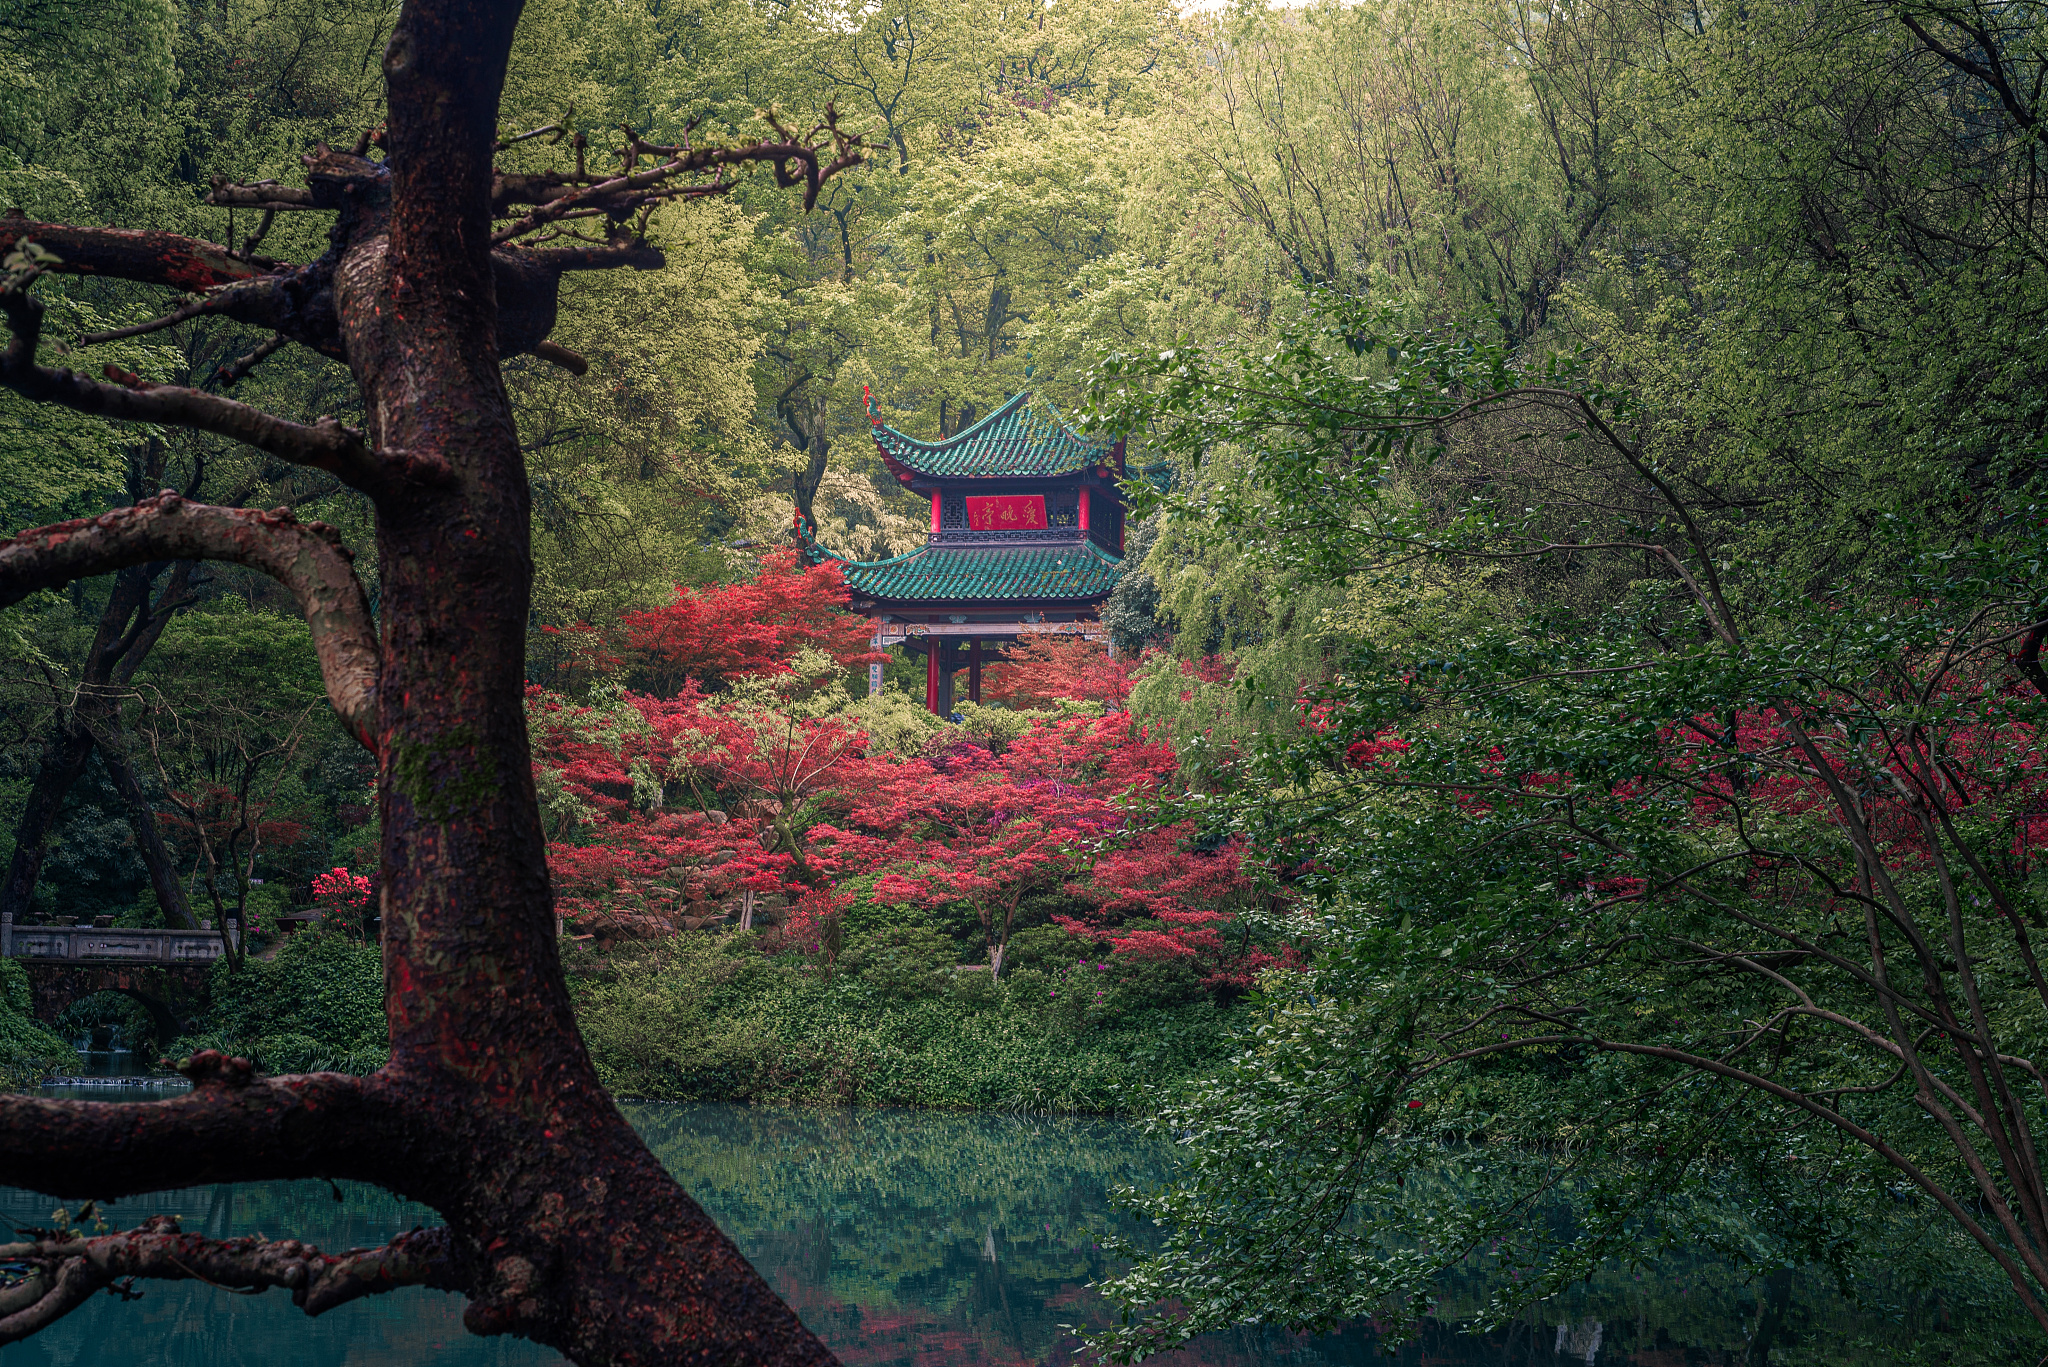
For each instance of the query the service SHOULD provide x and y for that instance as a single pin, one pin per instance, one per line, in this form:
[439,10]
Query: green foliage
[1573,868]
[144,913]
[1043,947]
[14,988]
[1800,374]
[997,727]
[316,1005]
[705,1017]
[901,962]
[896,723]
[28,1052]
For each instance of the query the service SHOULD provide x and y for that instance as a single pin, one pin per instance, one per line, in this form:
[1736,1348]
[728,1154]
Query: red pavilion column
[931,672]
[935,512]
[1084,512]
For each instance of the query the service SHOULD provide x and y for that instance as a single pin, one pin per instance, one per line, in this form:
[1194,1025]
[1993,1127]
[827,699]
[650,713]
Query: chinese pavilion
[1027,536]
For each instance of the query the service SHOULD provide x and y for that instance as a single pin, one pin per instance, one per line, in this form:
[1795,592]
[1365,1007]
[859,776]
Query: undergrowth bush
[28,1052]
[897,1021]
[709,1018]
[316,1006]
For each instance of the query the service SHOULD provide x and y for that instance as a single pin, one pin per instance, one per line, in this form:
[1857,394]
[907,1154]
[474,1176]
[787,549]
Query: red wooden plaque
[1006,513]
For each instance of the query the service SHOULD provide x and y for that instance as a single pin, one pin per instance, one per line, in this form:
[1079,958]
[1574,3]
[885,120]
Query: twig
[228,375]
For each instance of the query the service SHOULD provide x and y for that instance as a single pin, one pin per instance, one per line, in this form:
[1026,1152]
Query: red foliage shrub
[340,890]
[716,634]
[963,826]
[1036,671]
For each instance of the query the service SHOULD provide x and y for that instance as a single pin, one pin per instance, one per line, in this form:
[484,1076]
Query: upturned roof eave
[913,477]
[904,463]
[973,579]
[1090,599]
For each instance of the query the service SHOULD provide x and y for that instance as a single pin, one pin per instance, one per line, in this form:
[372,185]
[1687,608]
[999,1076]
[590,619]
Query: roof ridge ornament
[868,393]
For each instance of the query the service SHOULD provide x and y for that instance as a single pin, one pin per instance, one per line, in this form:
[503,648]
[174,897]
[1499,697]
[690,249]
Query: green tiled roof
[1017,440]
[1078,570]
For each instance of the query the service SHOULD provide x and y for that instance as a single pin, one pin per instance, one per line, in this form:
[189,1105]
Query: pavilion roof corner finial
[874,418]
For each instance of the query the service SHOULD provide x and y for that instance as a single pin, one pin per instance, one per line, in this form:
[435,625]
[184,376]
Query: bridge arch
[167,972]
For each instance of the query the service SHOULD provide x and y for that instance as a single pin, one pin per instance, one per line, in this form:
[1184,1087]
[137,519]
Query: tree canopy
[1577,670]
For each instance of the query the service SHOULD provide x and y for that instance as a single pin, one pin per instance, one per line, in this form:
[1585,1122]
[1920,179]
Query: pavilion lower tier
[949,647]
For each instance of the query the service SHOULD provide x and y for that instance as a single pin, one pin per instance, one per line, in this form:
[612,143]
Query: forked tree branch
[65,1269]
[325,445]
[307,558]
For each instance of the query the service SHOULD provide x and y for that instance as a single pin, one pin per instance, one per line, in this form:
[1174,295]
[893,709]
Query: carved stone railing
[74,944]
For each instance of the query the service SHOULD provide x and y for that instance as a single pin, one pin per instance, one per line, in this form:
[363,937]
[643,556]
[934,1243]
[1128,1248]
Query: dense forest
[1570,731]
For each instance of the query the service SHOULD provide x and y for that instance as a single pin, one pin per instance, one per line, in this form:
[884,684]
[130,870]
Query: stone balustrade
[71,944]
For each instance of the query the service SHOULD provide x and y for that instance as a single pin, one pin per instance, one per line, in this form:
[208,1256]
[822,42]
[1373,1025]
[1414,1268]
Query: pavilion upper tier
[1026,536]
[1026,521]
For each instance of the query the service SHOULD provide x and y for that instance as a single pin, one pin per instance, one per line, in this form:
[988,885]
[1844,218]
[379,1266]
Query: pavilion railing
[893,633]
[1040,536]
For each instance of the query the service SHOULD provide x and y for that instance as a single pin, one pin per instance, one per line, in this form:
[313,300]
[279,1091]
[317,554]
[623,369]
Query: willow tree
[560,1225]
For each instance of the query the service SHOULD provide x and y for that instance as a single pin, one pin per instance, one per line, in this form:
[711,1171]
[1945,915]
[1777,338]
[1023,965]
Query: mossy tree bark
[561,1226]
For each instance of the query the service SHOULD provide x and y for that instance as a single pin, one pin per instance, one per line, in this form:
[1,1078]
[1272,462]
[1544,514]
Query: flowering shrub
[341,890]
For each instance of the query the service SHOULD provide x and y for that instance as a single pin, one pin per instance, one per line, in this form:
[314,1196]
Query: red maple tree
[664,807]
[1037,671]
[717,634]
[1062,808]
[972,831]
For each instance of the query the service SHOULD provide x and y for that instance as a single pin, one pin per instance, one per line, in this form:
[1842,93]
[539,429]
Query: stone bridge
[165,971]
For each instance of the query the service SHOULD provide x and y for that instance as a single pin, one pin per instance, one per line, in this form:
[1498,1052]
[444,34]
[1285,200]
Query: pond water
[923,1239]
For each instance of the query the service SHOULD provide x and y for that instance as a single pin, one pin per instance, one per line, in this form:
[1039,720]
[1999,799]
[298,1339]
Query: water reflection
[914,1239]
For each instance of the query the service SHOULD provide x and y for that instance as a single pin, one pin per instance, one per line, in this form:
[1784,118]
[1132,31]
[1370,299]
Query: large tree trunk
[149,839]
[129,627]
[562,1227]
[63,759]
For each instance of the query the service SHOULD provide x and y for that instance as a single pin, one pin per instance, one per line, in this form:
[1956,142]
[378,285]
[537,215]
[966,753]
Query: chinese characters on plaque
[1006,513]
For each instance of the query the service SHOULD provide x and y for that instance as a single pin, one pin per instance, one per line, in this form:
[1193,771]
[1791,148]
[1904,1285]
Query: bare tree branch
[326,445]
[237,370]
[227,299]
[231,1127]
[66,1269]
[555,354]
[559,196]
[308,559]
[264,194]
[145,256]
